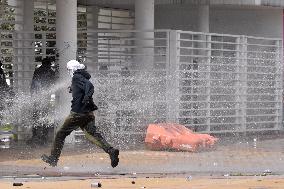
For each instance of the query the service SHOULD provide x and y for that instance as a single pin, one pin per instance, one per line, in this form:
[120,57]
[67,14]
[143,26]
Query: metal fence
[208,82]
[7,25]
[229,83]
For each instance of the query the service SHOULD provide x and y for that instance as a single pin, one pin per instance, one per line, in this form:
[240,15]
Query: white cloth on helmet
[74,65]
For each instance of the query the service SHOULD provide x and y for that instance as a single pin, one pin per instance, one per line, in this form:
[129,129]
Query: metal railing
[7,25]
[229,83]
[208,82]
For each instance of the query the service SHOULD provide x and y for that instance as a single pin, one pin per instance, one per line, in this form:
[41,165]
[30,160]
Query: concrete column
[28,15]
[19,12]
[24,51]
[66,35]
[202,26]
[24,59]
[66,32]
[203,19]
[66,44]
[92,43]
[144,14]
[144,20]
[28,26]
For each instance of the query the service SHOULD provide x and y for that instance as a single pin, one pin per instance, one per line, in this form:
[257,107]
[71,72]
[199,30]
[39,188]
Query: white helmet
[74,65]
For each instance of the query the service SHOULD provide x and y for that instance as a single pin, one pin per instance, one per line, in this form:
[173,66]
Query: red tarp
[174,136]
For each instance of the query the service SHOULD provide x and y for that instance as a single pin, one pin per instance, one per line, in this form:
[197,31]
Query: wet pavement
[153,183]
[228,158]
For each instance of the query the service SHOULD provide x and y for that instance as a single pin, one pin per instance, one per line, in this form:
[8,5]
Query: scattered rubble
[96,185]
[189,178]
[18,184]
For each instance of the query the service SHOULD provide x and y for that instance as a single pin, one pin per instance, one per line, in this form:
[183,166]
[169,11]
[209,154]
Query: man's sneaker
[50,160]
[113,154]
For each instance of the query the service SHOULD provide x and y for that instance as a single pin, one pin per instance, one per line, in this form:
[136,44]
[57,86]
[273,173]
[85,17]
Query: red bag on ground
[163,136]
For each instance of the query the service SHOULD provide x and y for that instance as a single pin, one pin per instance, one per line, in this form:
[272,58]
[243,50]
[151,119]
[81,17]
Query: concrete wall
[254,21]
[175,17]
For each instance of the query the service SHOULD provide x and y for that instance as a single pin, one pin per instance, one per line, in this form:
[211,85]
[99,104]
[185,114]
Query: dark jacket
[3,84]
[82,91]
[43,78]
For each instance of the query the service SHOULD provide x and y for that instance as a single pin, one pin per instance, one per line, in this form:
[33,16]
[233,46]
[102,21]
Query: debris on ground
[18,184]
[96,185]
[189,178]
[266,172]
[163,136]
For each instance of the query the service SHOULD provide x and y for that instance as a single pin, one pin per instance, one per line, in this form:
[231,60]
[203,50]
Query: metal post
[239,87]
[279,81]
[243,80]
[208,88]
[173,77]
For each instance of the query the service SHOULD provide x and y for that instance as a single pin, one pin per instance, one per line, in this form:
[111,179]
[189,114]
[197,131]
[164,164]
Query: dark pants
[87,123]
[40,134]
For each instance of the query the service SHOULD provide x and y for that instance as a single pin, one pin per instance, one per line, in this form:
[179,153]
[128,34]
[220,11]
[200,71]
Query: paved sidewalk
[153,183]
[240,158]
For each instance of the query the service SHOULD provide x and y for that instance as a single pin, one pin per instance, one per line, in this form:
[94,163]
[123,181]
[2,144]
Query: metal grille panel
[229,83]
[208,82]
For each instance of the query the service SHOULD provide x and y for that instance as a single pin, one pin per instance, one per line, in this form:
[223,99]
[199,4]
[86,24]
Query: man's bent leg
[96,138]
[68,126]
